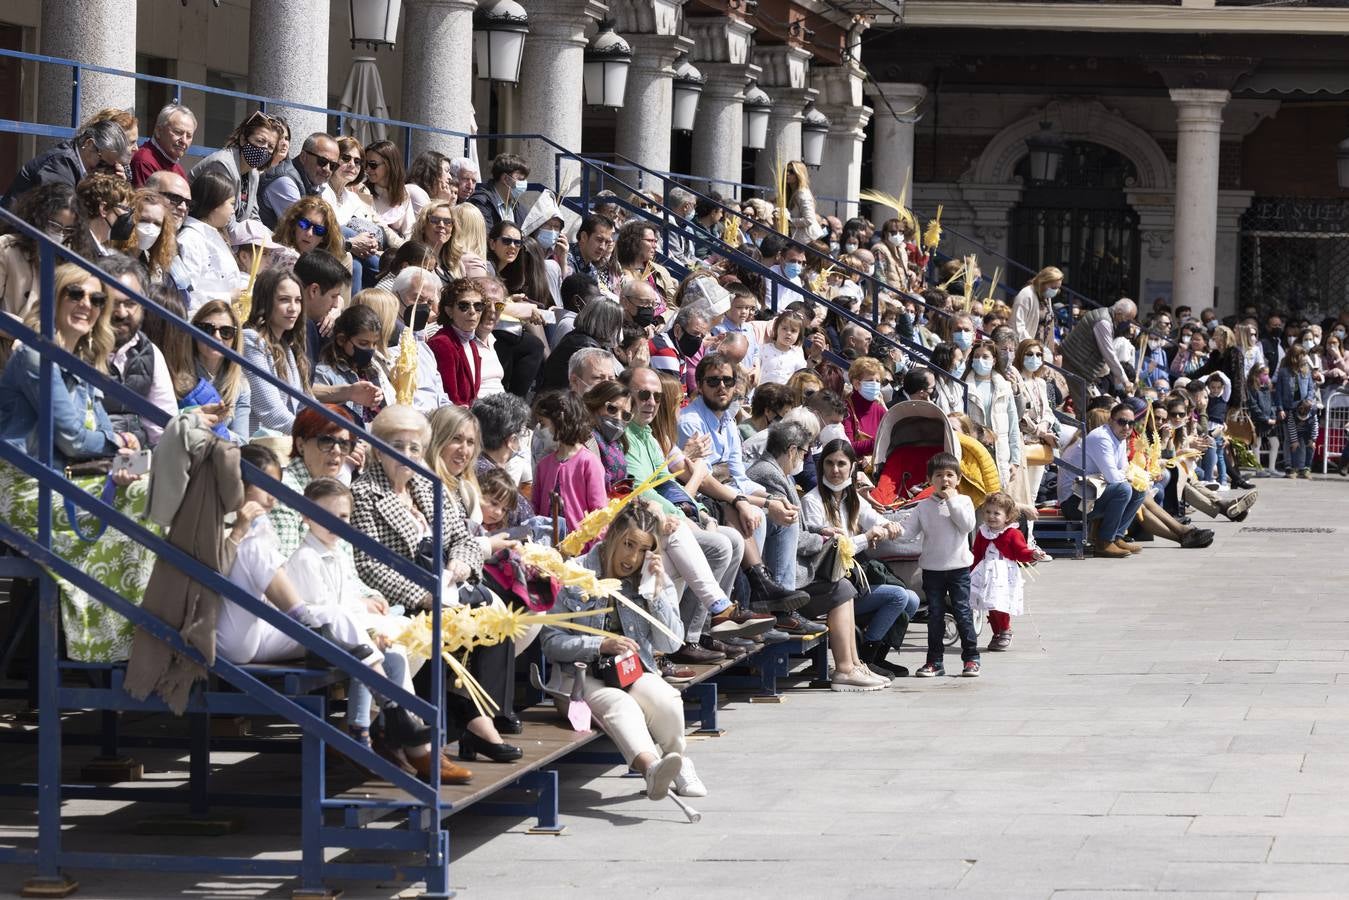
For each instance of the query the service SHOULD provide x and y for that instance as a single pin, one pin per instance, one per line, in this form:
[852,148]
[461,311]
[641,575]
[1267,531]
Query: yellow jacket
[978,472]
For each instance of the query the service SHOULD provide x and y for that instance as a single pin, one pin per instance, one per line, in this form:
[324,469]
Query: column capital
[632,17]
[846,120]
[449,6]
[784,66]
[719,39]
[903,97]
[1202,72]
[1200,97]
[656,53]
[727,80]
[789,103]
[839,85]
[561,21]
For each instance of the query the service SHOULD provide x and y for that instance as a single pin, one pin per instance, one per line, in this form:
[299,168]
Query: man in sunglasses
[1106,454]
[302,176]
[135,361]
[174,189]
[769,524]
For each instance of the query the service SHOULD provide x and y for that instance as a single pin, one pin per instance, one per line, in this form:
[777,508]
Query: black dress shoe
[508,724]
[403,729]
[314,661]
[470,745]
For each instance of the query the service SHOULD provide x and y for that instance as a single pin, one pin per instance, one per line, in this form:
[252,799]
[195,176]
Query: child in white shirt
[781,356]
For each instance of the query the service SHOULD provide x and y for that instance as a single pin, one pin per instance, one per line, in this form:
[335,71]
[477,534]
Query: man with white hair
[175,126]
[588,367]
[418,289]
[1088,350]
[464,173]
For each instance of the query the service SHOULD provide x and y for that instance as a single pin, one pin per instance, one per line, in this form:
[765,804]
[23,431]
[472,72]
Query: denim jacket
[563,646]
[81,427]
[1290,389]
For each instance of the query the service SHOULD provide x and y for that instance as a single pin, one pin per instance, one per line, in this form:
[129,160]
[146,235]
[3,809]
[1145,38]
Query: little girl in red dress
[996,584]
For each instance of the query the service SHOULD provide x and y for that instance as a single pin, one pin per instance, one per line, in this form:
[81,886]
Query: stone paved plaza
[1176,723]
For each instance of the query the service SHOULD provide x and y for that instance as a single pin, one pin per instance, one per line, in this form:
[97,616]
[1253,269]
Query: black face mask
[690,344]
[610,428]
[644,316]
[362,357]
[1276,332]
[421,314]
[122,228]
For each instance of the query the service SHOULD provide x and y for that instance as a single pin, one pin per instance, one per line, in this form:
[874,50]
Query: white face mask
[796,469]
[832,432]
[1051,293]
[146,235]
[836,486]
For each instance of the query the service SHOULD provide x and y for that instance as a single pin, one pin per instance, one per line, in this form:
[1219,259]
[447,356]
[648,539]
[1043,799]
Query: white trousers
[706,562]
[242,637]
[646,718]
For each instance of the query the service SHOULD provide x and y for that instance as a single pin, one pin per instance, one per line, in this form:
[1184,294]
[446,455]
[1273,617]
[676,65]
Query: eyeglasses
[323,162]
[724,381]
[327,443]
[317,229]
[645,396]
[226,333]
[96,298]
[176,200]
[511,242]
[349,157]
[614,409]
[465,306]
[67,231]
[439,221]
[1124,423]
[373,164]
[410,448]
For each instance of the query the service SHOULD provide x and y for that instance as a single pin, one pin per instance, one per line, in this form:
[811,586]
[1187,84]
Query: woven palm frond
[932,237]
[896,203]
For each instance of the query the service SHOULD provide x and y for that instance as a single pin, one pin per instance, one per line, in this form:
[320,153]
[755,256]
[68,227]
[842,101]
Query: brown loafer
[450,772]
[1130,546]
[1112,551]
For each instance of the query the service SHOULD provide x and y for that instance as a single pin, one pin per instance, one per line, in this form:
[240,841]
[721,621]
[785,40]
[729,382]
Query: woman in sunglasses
[320,448]
[435,228]
[520,338]
[457,354]
[248,150]
[610,408]
[217,319]
[82,428]
[52,209]
[386,187]
[310,224]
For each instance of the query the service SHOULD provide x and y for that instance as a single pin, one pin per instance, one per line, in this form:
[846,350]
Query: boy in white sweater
[945,520]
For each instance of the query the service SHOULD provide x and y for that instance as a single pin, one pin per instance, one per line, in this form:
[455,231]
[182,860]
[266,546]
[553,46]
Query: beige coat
[18,278]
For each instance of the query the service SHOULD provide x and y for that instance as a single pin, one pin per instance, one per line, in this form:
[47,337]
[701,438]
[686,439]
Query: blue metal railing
[51,480]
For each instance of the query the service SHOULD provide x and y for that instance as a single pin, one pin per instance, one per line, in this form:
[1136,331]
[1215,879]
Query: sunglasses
[1124,423]
[373,164]
[225,333]
[613,409]
[719,381]
[176,200]
[327,443]
[96,298]
[323,162]
[317,229]
[349,157]
[807,394]
[645,396]
[465,306]
[511,242]
[439,220]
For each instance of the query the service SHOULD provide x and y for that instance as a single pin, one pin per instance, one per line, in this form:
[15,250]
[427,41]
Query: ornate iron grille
[1295,256]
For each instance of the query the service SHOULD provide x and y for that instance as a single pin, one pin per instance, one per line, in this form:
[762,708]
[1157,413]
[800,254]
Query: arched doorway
[1081,222]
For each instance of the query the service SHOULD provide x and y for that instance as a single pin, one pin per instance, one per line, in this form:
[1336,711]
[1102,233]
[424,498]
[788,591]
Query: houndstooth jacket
[377,511]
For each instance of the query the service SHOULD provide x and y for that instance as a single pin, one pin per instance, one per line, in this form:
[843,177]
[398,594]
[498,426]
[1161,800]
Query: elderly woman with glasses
[320,448]
[457,355]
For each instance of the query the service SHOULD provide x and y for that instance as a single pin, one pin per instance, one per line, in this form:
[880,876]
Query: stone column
[786,80]
[552,95]
[892,151]
[1199,119]
[651,27]
[99,32]
[438,71]
[721,53]
[840,175]
[288,60]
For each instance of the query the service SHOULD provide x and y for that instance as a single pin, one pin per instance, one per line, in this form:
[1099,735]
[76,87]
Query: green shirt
[645,458]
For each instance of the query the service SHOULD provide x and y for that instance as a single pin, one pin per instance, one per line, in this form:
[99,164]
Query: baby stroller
[912,433]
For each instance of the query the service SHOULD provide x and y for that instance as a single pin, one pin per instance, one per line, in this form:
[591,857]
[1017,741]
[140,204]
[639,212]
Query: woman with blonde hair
[310,224]
[803,226]
[470,235]
[216,318]
[1033,308]
[435,227]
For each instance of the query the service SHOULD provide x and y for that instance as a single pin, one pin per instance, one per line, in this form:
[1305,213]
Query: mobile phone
[137,463]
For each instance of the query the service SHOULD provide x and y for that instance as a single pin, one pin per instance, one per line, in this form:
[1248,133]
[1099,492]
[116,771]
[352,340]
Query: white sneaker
[855,681]
[659,776]
[880,677]
[687,783]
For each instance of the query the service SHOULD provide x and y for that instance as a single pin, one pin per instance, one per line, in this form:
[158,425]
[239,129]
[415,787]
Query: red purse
[620,671]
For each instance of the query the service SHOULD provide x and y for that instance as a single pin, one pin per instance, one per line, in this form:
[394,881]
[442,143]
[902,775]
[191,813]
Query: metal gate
[1295,256]
[1081,222]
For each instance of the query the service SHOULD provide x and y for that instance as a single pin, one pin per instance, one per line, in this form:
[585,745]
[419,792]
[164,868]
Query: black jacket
[553,375]
[59,165]
[485,197]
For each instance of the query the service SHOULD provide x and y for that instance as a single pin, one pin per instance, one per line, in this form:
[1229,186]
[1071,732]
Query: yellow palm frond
[896,203]
[932,237]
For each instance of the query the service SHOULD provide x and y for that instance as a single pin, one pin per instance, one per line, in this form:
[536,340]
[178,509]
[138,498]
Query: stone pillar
[786,80]
[1199,119]
[552,93]
[438,71]
[99,32]
[651,27]
[892,150]
[288,60]
[840,175]
[721,53]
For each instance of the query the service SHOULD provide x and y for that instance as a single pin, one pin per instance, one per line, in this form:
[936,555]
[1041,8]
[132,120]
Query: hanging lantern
[1047,150]
[374,22]
[757,105]
[499,40]
[606,67]
[687,88]
[814,130]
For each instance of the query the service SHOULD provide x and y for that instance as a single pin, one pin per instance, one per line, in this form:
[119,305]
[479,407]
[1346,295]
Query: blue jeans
[777,543]
[949,590]
[1116,508]
[358,695]
[885,604]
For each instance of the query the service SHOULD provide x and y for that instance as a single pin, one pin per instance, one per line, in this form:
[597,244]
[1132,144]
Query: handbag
[1037,454]
[1240,427]
[619,671]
